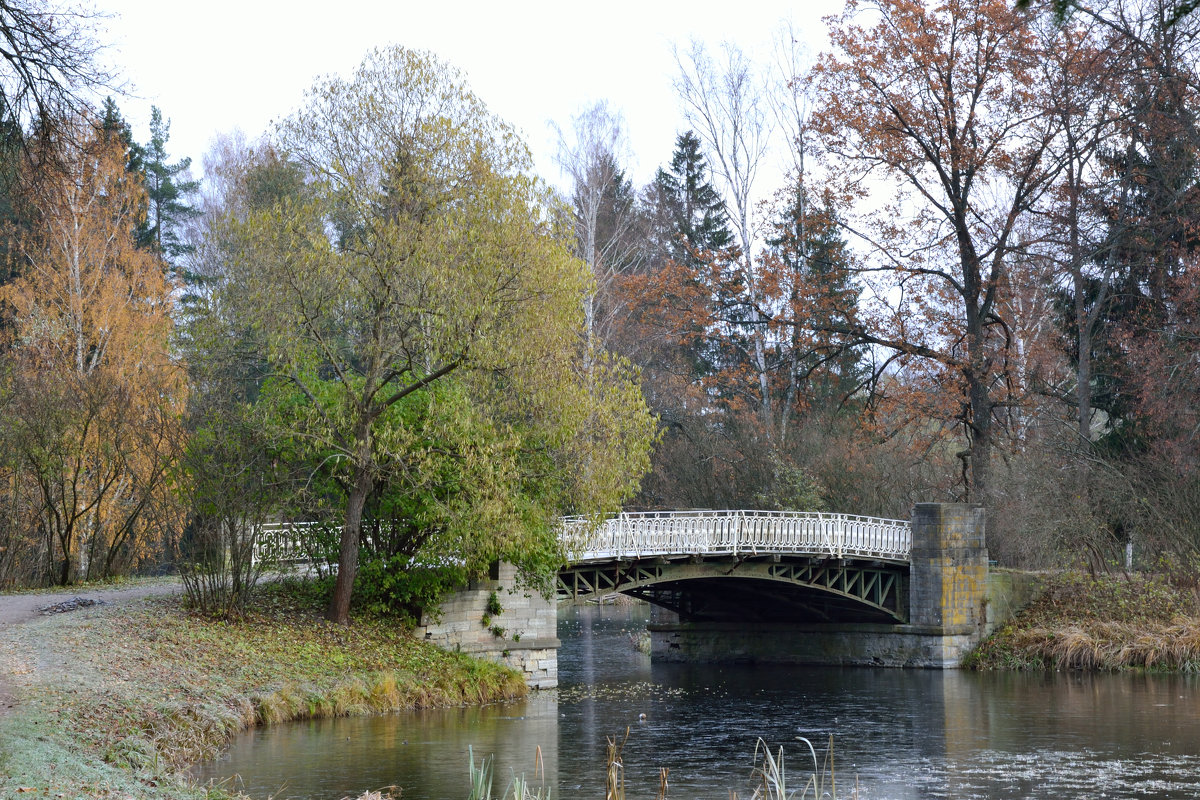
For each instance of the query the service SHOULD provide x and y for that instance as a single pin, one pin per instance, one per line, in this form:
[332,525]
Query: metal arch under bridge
[733,564]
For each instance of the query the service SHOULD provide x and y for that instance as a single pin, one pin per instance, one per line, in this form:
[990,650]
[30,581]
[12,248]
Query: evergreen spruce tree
[112,124]
[614,215]
[693,206]
[822,299]
[168,189]
[697,236]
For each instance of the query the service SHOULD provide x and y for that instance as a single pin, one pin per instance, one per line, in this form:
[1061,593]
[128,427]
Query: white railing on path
[735,533]
[688,533]
[283,541]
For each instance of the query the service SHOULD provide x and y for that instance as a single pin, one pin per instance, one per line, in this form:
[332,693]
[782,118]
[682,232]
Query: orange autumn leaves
[93,398]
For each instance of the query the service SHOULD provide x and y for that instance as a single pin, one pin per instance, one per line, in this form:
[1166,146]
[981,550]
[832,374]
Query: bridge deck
[680,534]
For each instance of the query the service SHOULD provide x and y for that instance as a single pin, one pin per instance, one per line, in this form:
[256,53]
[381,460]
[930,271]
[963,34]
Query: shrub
[394,587]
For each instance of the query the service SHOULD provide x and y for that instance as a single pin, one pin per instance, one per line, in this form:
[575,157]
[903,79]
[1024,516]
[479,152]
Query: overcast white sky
[224,64]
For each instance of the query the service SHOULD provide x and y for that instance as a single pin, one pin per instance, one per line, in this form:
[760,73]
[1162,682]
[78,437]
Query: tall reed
[519,787]
[772,777]
[614,776]
[769,772]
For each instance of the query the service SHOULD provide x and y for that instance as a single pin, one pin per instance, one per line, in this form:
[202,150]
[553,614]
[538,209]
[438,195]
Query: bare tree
[948,107]
[790,103]
[48,61]
[725,105]
[604,208]
[789,98]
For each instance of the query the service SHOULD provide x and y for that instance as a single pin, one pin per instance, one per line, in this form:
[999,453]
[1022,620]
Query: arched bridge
[747,585]
[745,566]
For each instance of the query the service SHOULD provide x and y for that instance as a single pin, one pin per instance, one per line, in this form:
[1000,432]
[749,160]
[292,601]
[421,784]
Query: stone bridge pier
[948,578]
[502,621]
[947,589]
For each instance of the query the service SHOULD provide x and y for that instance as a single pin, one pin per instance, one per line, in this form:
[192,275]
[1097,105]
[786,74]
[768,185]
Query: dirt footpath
[17,609]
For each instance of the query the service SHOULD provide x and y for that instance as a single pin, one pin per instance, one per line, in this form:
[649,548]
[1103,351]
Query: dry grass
[1114,645]
[1101,623]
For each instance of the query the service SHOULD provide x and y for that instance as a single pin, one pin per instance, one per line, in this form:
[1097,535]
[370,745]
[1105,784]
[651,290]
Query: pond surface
[901,733]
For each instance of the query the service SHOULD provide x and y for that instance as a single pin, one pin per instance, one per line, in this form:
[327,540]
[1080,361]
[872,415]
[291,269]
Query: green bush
[393,587]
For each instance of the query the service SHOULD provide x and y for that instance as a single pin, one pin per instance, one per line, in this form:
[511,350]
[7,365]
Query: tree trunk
[339,605]
[1083,316]
[981,441]
[1083,365]
[977,373]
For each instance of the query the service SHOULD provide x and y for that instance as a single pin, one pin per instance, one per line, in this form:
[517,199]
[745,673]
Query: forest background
[977,281]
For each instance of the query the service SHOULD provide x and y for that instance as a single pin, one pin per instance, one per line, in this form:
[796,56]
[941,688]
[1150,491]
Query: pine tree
[691,203]
[168,188]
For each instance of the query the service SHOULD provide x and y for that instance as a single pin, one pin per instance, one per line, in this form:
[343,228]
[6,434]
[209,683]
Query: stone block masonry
[949,566]
[523,635]
[948,578]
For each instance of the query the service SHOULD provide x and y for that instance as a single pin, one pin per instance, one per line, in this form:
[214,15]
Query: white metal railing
[686,533]
[283,541]
[749,533]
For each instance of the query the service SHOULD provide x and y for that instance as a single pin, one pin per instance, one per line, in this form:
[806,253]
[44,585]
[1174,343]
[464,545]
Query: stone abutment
[497,619]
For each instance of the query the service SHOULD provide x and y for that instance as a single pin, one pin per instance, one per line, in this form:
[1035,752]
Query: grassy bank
[1105,622]
[116,699]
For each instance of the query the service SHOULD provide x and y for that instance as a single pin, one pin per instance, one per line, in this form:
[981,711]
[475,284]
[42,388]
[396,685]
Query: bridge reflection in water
[745,566]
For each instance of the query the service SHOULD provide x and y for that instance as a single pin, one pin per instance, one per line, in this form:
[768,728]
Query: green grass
[121,697]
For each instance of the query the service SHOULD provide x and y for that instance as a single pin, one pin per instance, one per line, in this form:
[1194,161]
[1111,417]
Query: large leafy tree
[944,105]
[421,252]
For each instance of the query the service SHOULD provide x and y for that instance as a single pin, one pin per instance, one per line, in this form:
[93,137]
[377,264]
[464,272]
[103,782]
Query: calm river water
[902,733]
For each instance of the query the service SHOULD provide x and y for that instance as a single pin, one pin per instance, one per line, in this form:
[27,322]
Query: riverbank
[114,700]
[1102,622]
